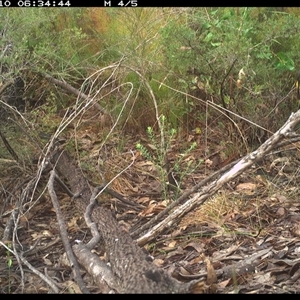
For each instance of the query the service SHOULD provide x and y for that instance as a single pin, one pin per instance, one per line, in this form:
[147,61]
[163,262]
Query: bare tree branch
[74,91]
[64,233]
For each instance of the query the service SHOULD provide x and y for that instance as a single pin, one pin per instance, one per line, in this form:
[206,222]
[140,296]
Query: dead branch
[98,269]
[180,200]
[8,147]
[74,91]
[10,225]
[286,131]
[87,216]
[241,267]
[49,281]
[64,233]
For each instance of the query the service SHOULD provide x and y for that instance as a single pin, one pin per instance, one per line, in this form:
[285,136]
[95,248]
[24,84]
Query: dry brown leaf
[172,244]
[141,164]
[224,283]
[295,230]
[152,147]
[47,261]
[199,288]
[196,260]
[282,198]
[222,254]
[143,200]
[178,252]
[184,272]
[72,287]
[72,224]
[280,211]
[158,262]
[208,163]
[247,187]
[152,209]
[198,247]
[211,273]
[155,187]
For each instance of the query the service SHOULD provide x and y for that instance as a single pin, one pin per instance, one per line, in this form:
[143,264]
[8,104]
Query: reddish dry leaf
[136,155]
[254,273]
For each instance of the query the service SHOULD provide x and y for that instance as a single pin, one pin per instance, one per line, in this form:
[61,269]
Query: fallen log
[133,270]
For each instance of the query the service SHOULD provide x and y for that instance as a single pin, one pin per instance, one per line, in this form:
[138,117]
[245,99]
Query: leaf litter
[245,239]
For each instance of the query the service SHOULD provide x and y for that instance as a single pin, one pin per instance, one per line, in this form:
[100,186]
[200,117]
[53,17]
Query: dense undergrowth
[187,88]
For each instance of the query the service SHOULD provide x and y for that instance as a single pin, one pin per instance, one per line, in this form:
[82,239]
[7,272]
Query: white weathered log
[285,132]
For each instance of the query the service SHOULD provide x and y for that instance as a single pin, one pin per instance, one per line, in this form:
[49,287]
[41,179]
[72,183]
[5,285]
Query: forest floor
[244,239]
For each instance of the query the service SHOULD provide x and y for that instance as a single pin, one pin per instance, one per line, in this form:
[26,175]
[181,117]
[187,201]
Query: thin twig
[34,270]
[92,225]
[50,282]
[64,234]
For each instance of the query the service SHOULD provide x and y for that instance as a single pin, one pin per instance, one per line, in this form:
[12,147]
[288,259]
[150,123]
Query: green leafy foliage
[158,156]
[177,51]
[213,41]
